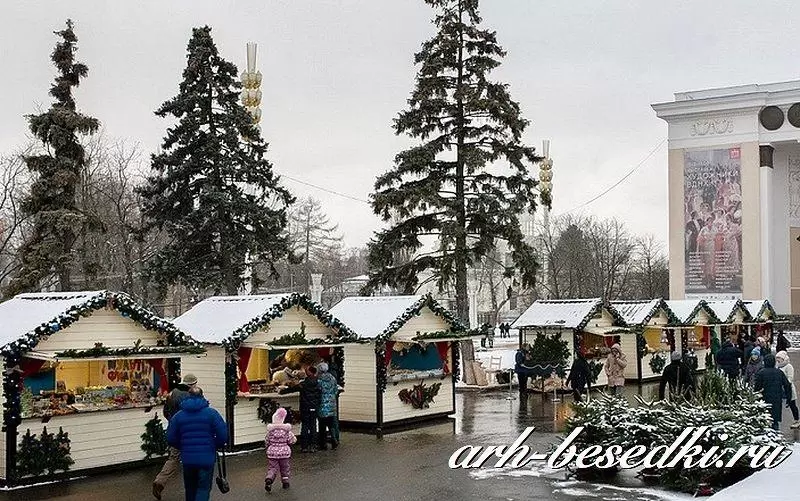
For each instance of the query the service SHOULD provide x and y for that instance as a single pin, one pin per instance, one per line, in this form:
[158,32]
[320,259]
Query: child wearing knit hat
[278,441]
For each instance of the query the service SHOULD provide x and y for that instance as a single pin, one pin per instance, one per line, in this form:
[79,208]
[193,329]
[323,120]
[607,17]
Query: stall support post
[510,380]
[378,401]
[639,356]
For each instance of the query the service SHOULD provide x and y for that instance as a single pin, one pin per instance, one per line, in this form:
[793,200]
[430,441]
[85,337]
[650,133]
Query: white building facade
[734,193]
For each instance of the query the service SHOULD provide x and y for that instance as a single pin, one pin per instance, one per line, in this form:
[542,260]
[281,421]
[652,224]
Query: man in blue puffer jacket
[197,431]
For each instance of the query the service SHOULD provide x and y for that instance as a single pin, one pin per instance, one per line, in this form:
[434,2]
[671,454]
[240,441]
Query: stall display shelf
[396,376]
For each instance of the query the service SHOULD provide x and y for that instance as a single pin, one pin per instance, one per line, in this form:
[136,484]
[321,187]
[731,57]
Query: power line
[626,176]
[332,192]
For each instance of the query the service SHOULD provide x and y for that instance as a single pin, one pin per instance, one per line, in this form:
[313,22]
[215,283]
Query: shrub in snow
[737,417]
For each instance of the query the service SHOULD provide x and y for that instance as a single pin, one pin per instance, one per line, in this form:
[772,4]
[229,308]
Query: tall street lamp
[546,193]
[251,81]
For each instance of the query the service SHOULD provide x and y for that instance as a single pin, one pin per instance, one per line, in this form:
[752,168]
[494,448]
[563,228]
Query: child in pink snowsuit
[279,438]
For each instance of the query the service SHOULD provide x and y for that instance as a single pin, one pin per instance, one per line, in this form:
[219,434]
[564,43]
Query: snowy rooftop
[756,306]
[636,312]
[25,312]
[566,313]
[369,316]
[725,308]
[683,308]
[215,319]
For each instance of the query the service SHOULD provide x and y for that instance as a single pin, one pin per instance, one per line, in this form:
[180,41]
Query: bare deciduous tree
[14,183]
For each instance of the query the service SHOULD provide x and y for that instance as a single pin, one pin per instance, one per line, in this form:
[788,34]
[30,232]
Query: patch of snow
[766,485]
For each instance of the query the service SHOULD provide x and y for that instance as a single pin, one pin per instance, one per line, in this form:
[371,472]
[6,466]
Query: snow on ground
[766,485]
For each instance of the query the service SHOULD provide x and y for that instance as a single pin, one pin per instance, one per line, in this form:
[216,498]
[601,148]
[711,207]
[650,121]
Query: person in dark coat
[747,350]
[729,360]
[171,407]
[775,387]
[310,399]
[198,431]
[782,344]
[580,377]
[678,376]
[522,356]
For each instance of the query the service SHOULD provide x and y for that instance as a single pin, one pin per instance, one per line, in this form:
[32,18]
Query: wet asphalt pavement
[409,465]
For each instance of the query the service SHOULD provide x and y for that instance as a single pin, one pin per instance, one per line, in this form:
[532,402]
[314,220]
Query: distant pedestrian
[278,441]
[783,343]
[326,413]
[198,431]
[615,369]
[775,387]
[755,364]
[171,407]
[729,360]
[521,359]
[580,377]
[678,376]
[783,363]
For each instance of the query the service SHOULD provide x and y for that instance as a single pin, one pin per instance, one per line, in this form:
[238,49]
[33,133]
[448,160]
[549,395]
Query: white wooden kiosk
[242,335]
[589,326]
[699,322]
[95,365]
[650,337]
[763,319]
[414,349]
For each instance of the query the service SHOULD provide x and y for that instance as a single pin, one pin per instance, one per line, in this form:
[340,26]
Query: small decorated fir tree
[154,438]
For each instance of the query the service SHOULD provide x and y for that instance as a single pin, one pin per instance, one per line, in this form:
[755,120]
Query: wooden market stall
[86,375]
[649,342]
[764,319]
[407,373]
[700,324]
[246,337]
[588,326]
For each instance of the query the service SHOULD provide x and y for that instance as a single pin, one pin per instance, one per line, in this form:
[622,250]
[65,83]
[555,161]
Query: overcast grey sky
[337,71]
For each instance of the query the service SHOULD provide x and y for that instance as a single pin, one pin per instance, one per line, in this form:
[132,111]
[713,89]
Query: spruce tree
[213,193]
[51,204]
[446,188]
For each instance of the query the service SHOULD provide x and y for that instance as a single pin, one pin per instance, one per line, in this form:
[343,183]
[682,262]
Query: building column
[767,221]
[316,287]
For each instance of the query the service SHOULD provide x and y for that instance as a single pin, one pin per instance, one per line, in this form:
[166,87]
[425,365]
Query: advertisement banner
[713,222]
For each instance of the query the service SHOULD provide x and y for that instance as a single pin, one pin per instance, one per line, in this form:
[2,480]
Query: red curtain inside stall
[244,361]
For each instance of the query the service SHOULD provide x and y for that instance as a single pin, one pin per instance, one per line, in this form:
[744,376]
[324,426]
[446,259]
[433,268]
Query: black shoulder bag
[222,476]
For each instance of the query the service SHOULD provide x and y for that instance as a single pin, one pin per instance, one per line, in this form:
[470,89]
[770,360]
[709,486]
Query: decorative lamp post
[546,193]
[251,81]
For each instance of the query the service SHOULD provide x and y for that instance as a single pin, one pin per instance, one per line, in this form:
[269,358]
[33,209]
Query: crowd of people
[196,431]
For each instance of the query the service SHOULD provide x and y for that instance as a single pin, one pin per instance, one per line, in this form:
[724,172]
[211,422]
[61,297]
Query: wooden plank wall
[357,403]
[103,326]
[210,371]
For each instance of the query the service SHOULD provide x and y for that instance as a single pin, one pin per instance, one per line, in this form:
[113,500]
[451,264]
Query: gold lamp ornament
[251,81]
[546,169]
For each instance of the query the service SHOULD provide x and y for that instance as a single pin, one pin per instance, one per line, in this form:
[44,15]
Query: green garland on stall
[420,396]
[231,381]
[449,334]
[344,334]
[103,351]
[338,360]
[413,311]
[641,345]
[456,354]
[657,363]
[119,301]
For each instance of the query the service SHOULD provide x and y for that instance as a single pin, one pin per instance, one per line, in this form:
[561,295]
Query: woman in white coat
[783,363]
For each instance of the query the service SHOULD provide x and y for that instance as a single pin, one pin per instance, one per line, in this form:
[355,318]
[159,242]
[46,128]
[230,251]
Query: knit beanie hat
[322,367]
[676,355]
[279,416]
[782,358]
[756,352]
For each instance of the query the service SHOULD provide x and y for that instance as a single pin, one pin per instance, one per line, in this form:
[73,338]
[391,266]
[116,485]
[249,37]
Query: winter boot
[268,484]
[285,483]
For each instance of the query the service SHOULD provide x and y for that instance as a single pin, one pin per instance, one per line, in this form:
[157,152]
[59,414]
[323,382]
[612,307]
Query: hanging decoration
[338,362]
[420,396]
[267,407]
[641,344]
[119,301]
[154,438]
[48,453]
[658,362]
[102,351]
[343,333]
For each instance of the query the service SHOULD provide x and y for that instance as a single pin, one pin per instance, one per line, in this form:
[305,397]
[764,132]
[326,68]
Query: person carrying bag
[222,473]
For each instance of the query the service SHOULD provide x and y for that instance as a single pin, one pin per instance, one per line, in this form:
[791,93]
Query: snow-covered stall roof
[221,319]
[563,313]
[374,316]
[42,313]
[686,310]
[760,309]
[725,310]
[640,312]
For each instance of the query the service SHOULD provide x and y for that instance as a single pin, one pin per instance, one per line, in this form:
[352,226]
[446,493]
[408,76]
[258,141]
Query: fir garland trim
[343,333]
[702,305]
[102,351]
[618,320]
[451,334]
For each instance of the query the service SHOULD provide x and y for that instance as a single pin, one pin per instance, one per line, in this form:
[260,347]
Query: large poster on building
[713,222]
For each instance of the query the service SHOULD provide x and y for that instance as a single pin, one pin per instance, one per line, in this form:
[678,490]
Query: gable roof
[25,318]
[229,320]
[687,309]
[381,316]
[759,307]
[641,312]
[564,313]
[725,310]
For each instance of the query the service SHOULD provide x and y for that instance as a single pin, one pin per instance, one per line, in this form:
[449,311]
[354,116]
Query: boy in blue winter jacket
[197,431]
